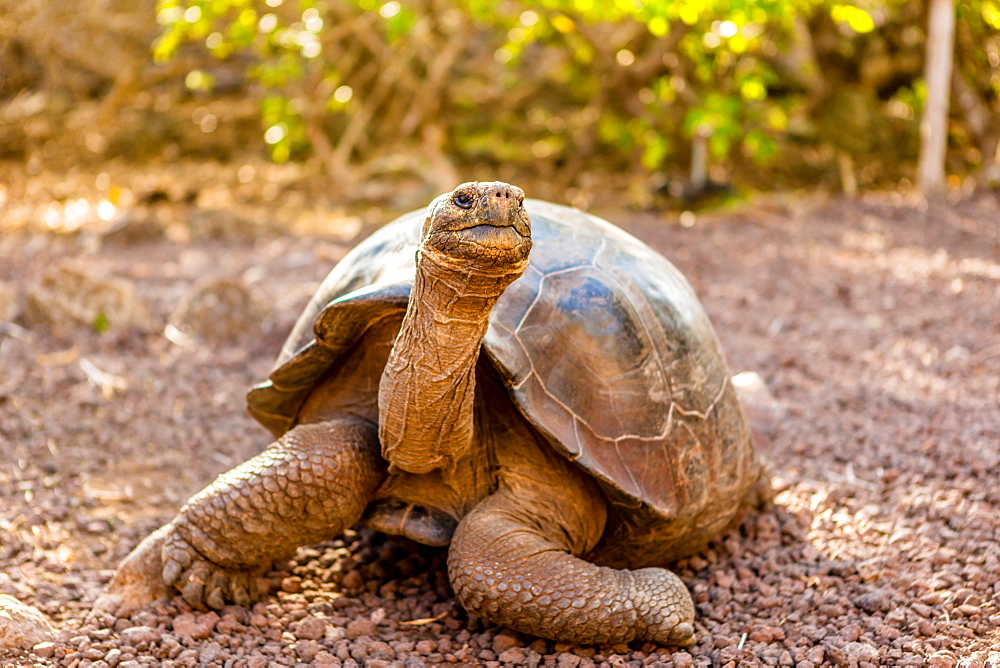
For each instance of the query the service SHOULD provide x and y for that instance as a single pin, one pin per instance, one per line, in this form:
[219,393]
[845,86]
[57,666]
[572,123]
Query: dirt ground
[876,323]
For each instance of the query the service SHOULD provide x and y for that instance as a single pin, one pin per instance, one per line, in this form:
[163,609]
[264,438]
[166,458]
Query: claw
[217,589]
[172,571]
[682,635]
[176,549]
[193,591]
[215,599]
[240,594]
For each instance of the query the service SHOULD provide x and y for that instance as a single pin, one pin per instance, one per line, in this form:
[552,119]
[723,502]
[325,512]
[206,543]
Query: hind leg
[310,485]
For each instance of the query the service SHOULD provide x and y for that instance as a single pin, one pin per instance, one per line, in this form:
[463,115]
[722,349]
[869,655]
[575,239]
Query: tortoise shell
[602,344]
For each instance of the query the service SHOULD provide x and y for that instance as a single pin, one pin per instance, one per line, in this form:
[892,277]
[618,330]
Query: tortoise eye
[463,200]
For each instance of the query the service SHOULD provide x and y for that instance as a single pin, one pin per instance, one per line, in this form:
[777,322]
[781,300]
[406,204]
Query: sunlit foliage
[626,82]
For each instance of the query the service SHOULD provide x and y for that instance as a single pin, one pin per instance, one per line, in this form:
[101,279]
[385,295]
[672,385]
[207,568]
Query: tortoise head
[481,225]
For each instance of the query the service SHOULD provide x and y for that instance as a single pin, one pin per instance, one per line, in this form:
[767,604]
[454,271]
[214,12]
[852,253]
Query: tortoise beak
[500,205]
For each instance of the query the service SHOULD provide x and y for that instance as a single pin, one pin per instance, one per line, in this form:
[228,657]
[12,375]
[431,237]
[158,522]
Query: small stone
[514,655]
[861,651]
[352,580]
[887,632]
[504,641]
[874,601]
[942,660]
[310,628]
[44,649]
[292,584]
[324,658]
[426,647]
[93,653]
[307,649]
[139,634]
[113,657]
[851,632]
[567,660]
[360,627]
[209,653]
[22,626]
[186,626]
[682,660]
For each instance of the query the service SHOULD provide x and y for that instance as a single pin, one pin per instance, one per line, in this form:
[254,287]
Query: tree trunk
[937,73]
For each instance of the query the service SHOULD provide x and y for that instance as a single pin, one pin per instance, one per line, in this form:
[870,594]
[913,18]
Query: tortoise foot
[203,583]
[665,608]
[138,581]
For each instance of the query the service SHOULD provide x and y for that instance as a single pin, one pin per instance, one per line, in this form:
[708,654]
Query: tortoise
[564,421]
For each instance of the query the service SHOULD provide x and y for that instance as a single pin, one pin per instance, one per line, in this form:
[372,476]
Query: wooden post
[699,158]
[937,74]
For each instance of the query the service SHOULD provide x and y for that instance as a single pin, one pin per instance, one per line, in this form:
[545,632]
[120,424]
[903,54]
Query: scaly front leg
[512,561]
[310,485]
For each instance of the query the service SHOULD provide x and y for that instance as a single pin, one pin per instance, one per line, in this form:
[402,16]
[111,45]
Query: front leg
[512,561]
[307,487]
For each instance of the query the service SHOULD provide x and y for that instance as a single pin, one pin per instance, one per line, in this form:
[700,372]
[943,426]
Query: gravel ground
[876,323]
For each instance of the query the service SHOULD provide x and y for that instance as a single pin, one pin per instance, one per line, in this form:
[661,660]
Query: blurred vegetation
[571,92]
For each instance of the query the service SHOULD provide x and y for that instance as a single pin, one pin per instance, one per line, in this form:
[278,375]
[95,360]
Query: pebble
[361,627]
[291,585]
[942,660]
[22,626]
[682,660]
[44,649]
[186,625]
[209,653]
[140,634]
[310,628]
[515,655]
[503,641]
[307,649]
[567,660]
[426,647]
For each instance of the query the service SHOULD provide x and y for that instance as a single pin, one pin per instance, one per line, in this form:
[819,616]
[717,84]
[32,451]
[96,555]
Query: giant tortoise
[564,421]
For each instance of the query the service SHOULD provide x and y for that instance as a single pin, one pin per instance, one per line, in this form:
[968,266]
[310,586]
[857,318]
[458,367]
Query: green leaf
[101,323]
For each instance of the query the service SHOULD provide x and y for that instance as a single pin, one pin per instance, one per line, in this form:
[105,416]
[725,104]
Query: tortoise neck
[428,386]
[447,284]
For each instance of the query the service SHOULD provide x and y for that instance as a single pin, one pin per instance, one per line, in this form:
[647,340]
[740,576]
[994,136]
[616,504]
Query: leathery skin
[310,485]
[506,570]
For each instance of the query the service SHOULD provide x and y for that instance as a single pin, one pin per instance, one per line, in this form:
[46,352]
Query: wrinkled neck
[428,386]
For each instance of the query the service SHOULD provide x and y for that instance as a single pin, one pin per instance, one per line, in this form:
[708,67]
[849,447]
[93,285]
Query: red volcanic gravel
[876,323]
